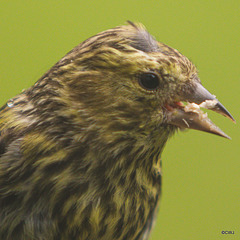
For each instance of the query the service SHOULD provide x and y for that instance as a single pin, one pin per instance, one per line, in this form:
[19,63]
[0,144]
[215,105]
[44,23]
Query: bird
[80,150]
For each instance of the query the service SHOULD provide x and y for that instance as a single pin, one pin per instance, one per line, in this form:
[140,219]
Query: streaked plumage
[80,150]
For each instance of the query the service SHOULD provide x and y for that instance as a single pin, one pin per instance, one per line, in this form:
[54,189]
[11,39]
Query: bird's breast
[124,209]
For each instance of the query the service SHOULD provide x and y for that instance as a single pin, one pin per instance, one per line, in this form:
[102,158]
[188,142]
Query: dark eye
[149,81]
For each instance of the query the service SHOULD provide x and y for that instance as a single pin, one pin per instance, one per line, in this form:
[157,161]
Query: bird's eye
[149,81]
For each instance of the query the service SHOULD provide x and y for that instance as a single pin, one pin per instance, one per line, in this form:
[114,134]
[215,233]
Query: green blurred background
[201,180]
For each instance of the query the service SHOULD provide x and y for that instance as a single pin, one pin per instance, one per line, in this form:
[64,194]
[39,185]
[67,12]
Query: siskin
[80,150]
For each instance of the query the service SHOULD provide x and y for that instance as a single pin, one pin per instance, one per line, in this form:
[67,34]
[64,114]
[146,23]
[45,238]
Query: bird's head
[124,80]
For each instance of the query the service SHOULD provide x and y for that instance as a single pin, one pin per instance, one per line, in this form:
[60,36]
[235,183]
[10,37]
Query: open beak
[190,115]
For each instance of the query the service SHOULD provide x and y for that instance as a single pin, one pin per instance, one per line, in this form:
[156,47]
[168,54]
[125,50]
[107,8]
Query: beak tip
[233,120]
[223,111]
[226,136]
